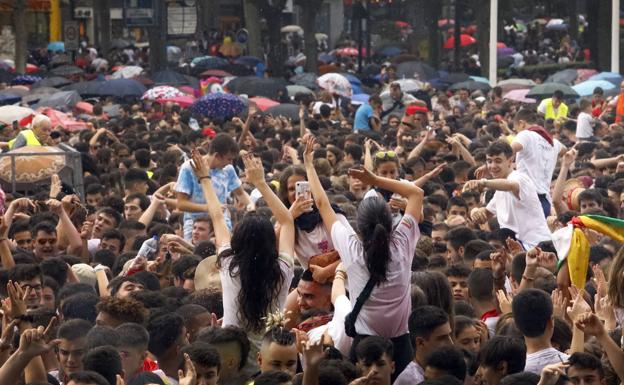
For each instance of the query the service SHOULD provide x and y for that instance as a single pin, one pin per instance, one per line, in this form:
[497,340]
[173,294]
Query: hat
[571,190]
[207,274]
[84,273]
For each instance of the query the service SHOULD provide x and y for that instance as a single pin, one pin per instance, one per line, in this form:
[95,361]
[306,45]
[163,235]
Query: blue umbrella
[219,105]
[356,83]
[506,51]
[9,98]
[56,46]
[480,79]
[360,98]
[25,79]
[612,77]
[587,87]
[208,62]
[390,51]
[326,58]
[249,61]
[121,88]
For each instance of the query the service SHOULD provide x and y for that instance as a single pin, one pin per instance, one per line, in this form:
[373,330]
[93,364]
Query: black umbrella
[120,44]
[306,79]
[6,76]
[67,70]
[121,88]
[54,81]
[504,61]
[271,88]
[567,76]
[546,90]
[85,88]
[287,110]
[471,86]
[235,69]
[454,77]
[416,69]
[170,78]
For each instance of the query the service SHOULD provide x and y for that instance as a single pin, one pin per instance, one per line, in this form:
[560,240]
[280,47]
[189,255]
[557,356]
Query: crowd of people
[404,241]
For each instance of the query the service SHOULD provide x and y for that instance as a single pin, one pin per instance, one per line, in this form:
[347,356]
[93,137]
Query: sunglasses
[386,155]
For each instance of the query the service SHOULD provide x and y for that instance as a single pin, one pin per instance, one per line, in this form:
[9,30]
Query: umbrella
[402,58]
[18,90]
[236,69]
[471,86]
[586,88]
[287,110]
[112,111]
[10,114]
[360,99]
[67,70]
[128,72]
[292,29]
[184,101]
[59,100]
[25,79]
[59,60]
[446,22]
[327,58]
[120,44]
[516,84]
[249,61]
[62,119]
[504,61]
[84,107]
[556,24]
[6,76]
[99,64]
[335,83]
[36,94]
[507,51]
[612,77]
[546,90]
[215,73]
[9,98]
[295,89]
[31,68]
[56,46]
[306,79]
[347,51]
[390,51]
[416,69]
[356,83]
[519,95]
[219,105]
[585,74]
[480,79]
[162,92]
[85,88]
[409,85]
[169,77]
[500,44]
[29,169]
[121,88]
[54,81]
[567,76]
[454,77]
[200,64]
[263,103]
[271,88]
[464,40]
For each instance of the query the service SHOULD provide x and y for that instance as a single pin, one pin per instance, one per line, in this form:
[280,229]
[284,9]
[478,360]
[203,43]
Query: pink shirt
[387,310]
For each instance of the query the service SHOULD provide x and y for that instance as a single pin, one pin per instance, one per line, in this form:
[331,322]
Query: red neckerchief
[489,314]
[541,131]
[149,365]
[314,322]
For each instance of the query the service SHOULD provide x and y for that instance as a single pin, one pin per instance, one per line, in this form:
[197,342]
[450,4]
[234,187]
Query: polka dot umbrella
[219,105]
[162,92]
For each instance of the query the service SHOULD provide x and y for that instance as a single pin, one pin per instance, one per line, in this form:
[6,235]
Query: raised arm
[201,168]
[255,175]
[415,153]
[566,163]
[318,193]
[66,227]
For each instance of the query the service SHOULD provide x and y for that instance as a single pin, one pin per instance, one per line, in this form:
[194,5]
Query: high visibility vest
[150,174]
[29,135]
[562,111]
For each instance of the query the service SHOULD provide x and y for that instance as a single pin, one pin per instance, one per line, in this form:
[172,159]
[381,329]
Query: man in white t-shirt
[585,121]
[515,202]
[533,315]
[536,154]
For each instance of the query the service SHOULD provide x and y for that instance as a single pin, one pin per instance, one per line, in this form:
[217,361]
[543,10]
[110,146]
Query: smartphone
[302,188]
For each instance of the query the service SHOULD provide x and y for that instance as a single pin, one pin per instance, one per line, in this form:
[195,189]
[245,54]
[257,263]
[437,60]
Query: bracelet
[527,278]
[203,177]
[4,239]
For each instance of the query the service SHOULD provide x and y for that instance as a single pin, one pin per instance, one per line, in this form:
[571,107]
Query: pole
[615,36]
[457,37]
[493,38]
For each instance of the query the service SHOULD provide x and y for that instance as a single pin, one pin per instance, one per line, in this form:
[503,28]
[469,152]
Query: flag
[25,122]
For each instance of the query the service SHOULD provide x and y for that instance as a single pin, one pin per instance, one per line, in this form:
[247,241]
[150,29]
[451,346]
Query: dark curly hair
[123,309]
[253,258]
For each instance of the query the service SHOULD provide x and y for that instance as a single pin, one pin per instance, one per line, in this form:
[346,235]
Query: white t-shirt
[535,362]
[336,328]
[412,374]
[391,298]
[232,286]
[584,128]
[315,242]
[537,159]
[523,215]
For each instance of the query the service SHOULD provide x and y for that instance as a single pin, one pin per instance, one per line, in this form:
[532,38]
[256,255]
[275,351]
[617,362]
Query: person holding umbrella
[554,108]
[395,101]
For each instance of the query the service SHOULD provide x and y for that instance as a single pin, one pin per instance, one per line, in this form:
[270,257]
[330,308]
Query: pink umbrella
[187,90]
[264,103]
[464,40]
[348,51]
[59,118]
[500,44]
[183,101]
[84,107]
[584,74]
[519,96]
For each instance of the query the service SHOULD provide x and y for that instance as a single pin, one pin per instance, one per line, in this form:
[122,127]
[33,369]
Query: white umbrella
[335,83]
[292,28]
[409,85]
[519,96]
[9,114]
[128,72]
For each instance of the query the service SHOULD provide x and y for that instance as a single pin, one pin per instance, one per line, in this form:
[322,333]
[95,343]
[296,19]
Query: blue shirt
[224,181]
[362,116]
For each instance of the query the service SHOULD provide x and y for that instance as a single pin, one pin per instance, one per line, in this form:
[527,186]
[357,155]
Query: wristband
[203,177]
[527,278]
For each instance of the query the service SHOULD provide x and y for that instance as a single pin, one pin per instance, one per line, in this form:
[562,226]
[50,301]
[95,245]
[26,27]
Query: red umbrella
[84,107]
[182,101]
[31,68]
[348,51]
[464,40]
[500,44]
[263,103]
[401,24]
[445,22]
[216,73]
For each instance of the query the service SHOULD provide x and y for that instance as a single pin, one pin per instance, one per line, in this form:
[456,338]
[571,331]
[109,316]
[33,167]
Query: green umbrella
[546,90]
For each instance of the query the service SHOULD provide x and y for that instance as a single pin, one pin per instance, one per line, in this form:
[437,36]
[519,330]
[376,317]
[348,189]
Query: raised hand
[569,157]
[308,154]
[200,165]
[504,301]
[363,175]
[579,307]
[15,306]
[551,373]
[55,186]
[55,206]
[479,215]
[475,184]
[301,206]
[313,353]
[514,246]
[559,303]
[254,171]
[532,257]
[188,376]
[590,324]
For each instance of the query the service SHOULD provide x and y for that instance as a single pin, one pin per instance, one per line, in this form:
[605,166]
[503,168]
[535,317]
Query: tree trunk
[207,21]
[309,10]
[599,33]
[252,24]
[483,34]
[158,38]
[21,36]
[274,19]
[572,7]
[433,12]
[103,23]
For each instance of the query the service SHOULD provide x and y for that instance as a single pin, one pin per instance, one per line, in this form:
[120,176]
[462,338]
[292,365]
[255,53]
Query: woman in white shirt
[376,251]
[255,277]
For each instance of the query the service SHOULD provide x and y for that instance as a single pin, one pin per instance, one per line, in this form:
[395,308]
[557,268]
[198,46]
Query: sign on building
[139,13]
[71,35]
[181,20]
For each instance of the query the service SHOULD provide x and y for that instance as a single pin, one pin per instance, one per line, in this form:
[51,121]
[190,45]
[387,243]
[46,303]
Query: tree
[483,34]
[206,18]
[272,12]
[103,35]
[309,11]
[21,37]
[158,38]
[252,24]
[433,11]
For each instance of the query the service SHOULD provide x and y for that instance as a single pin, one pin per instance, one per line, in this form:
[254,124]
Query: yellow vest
[562,111]
[29,135]
[150,174]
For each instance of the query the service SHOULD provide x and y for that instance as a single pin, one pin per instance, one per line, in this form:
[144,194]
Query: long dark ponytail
[374,223]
